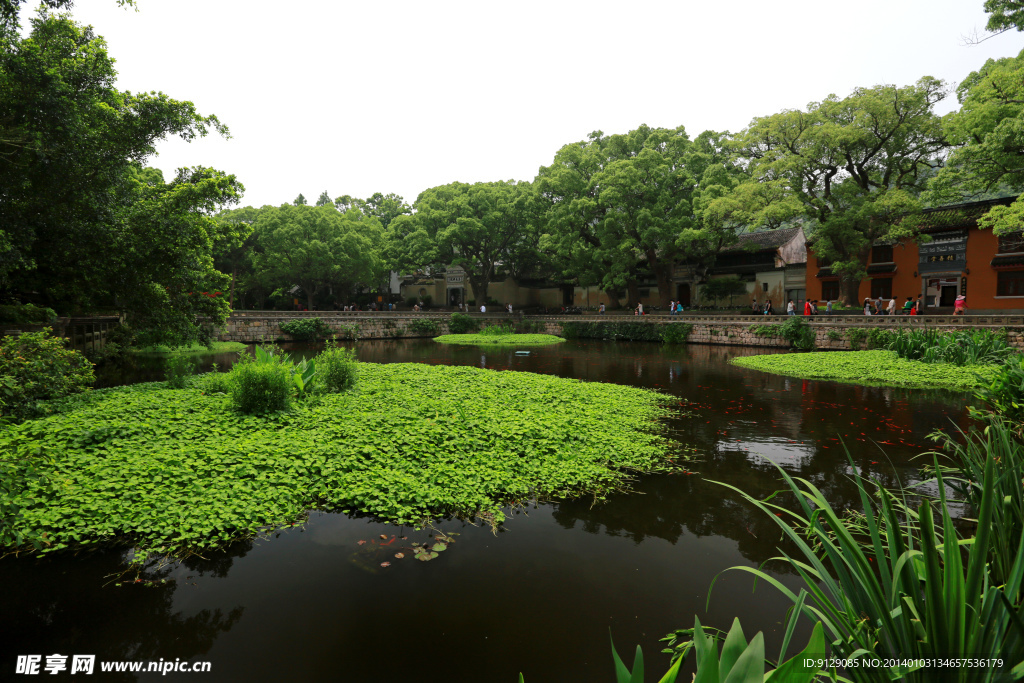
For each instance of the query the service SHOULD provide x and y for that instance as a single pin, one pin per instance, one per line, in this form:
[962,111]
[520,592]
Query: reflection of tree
[54,612]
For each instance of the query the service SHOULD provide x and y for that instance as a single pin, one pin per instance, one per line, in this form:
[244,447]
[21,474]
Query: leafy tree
[723,288]
[300,200]
[1005,14]
[989,134]
[625,205]
[318,248]
[82,224]
[474,226]
[323,200]
[386,207]
[855,165]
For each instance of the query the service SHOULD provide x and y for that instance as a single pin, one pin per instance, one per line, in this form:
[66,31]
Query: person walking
[600,309]
[828,307]
[960,305]
[891,308]
[483,308]
[867,306]
[791,308]
[808,308]
[768,310]
[908,306]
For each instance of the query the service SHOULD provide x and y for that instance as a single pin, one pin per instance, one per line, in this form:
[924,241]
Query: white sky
[357,98]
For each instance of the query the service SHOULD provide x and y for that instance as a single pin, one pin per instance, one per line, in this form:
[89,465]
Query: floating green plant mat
[500,339]
[194,349]
[875,368]
[174,470]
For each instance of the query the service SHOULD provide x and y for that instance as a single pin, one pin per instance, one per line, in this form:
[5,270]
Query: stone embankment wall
[832,332]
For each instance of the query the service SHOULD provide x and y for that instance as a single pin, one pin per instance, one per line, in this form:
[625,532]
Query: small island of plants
[464,329]
[919,359]
[231,455]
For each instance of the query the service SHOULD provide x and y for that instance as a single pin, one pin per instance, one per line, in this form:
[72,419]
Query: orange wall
[981,282]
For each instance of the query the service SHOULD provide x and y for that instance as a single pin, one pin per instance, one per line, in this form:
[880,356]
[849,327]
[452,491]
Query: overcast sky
[363,97]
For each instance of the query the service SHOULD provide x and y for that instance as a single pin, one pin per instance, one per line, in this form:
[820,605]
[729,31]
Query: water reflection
[538,597]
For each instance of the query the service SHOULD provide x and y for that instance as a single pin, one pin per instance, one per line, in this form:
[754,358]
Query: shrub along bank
[175,470]
[878,368]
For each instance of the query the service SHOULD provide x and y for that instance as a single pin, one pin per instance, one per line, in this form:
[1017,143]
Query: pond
[539,596]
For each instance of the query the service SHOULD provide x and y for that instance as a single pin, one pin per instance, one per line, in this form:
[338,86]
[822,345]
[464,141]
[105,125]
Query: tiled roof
[958,215]
[1008,261]
[765,240]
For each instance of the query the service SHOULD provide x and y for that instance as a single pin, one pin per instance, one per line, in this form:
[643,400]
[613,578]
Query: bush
[260,387]
[798,333]
[27,314]
[306,329]
[336,369]
[675,333]
[177,370]
[411,301]
[424,326]
[856,335]
[427,300]
[215,382]
[462,324]
[35,367]
[612,331]
[765,330]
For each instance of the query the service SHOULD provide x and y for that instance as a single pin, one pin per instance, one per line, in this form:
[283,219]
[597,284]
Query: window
[1010,283]
[1011,244]
[881,253]
[830,290]
[881,287]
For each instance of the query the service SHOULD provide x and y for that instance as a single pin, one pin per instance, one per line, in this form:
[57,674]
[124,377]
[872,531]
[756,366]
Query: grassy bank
[874,368]
[500,339]
[175,470]
[193,350]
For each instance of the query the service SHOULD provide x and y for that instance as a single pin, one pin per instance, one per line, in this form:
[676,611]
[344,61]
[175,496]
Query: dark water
[539,596]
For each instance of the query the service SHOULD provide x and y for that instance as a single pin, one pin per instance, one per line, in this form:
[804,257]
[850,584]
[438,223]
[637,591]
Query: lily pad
[439,547]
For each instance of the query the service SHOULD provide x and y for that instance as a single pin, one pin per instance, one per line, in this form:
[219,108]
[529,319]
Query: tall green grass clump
[177,370]
[1004,395]
[462,324]
[260,387]
[798,333]
[968,347]
[337,369]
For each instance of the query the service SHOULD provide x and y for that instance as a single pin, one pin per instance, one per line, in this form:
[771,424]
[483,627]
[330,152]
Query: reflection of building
[958,259]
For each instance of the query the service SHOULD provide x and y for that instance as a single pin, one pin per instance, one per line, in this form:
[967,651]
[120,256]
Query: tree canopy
[476,226]
[82,224]
[988,132]
[855,165]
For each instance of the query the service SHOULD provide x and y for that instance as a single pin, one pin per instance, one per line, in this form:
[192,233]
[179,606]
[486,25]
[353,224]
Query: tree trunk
[664,278]
[613,297]
[633,293]
[480,290]
[231,300]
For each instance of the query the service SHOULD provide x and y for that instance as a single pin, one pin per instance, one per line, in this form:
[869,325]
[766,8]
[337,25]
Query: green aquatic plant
[500,340]
[175,471]
[878,368]
[913,592]
[967,347]
[178,370]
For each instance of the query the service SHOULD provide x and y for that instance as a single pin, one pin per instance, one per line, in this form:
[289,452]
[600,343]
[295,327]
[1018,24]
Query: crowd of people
[877,306]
